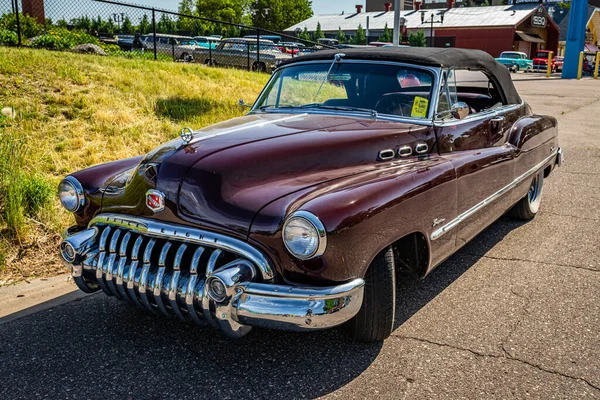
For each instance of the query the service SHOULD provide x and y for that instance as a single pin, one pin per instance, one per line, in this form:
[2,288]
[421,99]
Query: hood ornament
[155,200]
[187,134]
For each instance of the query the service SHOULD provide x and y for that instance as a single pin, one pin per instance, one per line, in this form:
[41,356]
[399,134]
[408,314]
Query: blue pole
[575,38]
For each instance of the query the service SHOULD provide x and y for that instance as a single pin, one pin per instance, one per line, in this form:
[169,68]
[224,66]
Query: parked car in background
[328,42]
[179,47]
[291,47]
[206,41]
[305,213]
[379,44]
[125,42]
[540,62]
[242,53]
[273,38]
[515,61]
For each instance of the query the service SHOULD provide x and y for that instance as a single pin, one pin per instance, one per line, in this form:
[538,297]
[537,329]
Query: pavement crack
[534,261]
[506,356]
[578,107]
[569,215]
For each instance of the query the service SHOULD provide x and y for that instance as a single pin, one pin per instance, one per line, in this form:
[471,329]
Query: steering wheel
[395,104]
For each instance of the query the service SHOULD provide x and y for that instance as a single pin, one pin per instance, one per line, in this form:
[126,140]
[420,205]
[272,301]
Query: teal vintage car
[515,61]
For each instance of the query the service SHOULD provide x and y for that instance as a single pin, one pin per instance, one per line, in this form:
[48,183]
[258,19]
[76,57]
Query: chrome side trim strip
[452,224]
[188,234]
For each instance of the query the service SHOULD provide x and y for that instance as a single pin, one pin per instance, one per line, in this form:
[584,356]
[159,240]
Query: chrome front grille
[162,274]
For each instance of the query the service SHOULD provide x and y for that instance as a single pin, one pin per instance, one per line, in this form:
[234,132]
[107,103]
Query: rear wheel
[375,320]
[529,205]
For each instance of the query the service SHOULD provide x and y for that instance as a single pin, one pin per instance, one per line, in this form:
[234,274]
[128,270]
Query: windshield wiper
[342,108]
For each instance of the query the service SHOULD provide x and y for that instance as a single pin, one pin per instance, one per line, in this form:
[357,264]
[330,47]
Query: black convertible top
[427,56]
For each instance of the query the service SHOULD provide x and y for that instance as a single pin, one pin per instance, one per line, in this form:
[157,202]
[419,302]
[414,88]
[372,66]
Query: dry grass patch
[74,111]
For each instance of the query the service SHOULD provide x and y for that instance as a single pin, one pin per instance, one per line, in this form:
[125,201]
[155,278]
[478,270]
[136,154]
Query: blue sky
[68,9]
[319,6]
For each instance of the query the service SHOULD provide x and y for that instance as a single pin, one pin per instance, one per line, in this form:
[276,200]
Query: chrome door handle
[497,119]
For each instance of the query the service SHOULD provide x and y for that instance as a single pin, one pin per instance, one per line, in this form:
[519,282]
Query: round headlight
[304,235]
[71,195]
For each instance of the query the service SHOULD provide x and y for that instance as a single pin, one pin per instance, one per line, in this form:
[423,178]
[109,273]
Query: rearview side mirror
[460,110]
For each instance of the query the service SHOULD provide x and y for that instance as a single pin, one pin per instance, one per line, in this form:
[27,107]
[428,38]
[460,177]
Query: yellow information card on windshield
[419,108]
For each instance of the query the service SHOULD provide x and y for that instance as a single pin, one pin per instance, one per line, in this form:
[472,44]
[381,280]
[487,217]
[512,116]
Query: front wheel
[529,205]
[516,69]
[375,320]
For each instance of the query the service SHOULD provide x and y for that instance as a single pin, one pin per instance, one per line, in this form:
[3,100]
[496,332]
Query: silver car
[242,53]
[179,47]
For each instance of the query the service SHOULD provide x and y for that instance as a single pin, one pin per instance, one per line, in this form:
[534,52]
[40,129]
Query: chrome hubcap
[533,190]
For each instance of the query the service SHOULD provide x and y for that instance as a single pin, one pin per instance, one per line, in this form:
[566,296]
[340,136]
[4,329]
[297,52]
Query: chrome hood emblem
[155,200]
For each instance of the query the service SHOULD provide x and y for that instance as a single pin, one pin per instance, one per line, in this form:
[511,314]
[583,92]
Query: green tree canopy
[361,37]
[417,39]
[222,10]
[278,15]
[341,36]
[144,26]
[387,35]
[319,33]
[127,27]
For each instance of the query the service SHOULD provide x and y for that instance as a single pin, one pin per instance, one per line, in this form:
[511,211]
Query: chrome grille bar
[192,282]
[133,269]
[158,281]
[121,266]
[175,280]
[143,286]
[108,274]
[101,257]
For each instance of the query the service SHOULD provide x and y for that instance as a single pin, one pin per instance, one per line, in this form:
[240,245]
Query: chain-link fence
[121,29]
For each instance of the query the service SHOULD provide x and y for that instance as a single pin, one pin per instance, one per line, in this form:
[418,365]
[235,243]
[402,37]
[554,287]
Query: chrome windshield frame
[435,71]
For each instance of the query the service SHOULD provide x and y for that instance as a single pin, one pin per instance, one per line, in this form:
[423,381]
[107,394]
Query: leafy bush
[29,25]
[63,39]
[8,38]
[37,193]
[417,39]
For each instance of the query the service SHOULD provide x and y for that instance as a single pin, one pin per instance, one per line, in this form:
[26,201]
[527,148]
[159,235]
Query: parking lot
[514,314]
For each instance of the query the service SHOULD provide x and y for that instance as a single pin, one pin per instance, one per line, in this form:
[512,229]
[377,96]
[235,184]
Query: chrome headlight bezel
[79,195]
[319,230]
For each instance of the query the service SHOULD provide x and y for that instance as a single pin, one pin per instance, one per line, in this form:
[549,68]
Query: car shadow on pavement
[413,293]
[100,347]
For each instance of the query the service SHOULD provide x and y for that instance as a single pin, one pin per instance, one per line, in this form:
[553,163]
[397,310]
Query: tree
[278,15]
[165,25]
[305,35]
[341,36]
[485,3]
[222,10]
[127,26]
[387,35]
[319,33]
[360,37]
[186,24]
[417,39]
[144,26]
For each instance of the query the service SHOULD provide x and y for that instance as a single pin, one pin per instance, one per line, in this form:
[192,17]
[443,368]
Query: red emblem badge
[155,200]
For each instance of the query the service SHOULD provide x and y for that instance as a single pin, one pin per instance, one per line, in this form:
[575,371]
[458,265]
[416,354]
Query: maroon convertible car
[348,168]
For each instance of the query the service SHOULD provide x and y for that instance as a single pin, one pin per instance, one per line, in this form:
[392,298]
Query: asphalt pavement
[514,314]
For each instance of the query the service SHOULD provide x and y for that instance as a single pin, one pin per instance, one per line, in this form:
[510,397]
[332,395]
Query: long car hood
[231,170]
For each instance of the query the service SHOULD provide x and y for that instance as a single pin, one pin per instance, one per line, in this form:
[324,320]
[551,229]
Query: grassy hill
[73,111]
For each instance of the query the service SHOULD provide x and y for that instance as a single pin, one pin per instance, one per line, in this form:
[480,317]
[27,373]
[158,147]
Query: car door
[477,145]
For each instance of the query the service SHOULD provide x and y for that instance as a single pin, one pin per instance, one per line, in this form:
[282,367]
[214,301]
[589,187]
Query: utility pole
[396,40]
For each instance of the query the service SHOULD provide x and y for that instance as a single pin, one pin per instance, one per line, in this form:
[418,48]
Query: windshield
[542,54]
[509,55]
[382,88]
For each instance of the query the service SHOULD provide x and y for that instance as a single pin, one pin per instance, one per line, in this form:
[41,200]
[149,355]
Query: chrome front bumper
[232,297]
